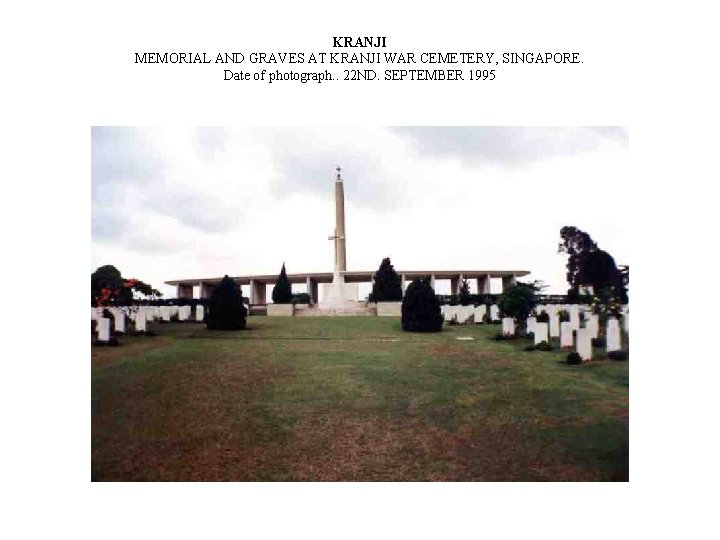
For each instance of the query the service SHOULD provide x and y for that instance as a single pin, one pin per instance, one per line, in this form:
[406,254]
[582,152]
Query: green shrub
[618,355]
[564,315]
[301,298]
[598,342]
[574,358]
[543,346]
[543,317]
[225,309]
[421,308]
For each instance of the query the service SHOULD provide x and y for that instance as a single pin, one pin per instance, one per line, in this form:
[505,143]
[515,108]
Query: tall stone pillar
[340,255]
[507,281]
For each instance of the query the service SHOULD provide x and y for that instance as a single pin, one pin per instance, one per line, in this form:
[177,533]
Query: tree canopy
[589,265]
[518,301]
[107,286]
[282,291]
[387,286]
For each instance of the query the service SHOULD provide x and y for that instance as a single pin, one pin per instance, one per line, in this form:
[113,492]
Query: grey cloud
[124,160]
[210,140]
[306,162]
[121,156]
[196,210]
[506,145]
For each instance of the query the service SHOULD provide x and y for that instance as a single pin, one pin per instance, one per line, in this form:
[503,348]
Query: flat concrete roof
[353,276]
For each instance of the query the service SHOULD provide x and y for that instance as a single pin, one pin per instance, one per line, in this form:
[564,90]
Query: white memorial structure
[340,287]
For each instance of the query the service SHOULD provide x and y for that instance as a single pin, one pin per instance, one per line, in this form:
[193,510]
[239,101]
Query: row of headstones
[570,334]
[578,311]
[141,316]
[469,314]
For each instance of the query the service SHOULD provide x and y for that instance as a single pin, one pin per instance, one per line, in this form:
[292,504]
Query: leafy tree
[105,277]
[464,296]
[388,284]
[107,286]
[518,301]
[589,265]
[421,308]
[282,291]
[225,309]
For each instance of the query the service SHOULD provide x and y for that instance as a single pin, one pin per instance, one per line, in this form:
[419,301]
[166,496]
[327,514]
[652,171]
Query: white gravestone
[541,332]
[94,314]
[479,313]
[103,329]
[140,321]
[566,335]
[612,335]
[494,313]
[530,323]
[554,326]
[165,313]
[156,313]
[584,344]
[119,317]
[592,323]
[174,310]
[626,322]
[199,313]
[574,311]
[508,326]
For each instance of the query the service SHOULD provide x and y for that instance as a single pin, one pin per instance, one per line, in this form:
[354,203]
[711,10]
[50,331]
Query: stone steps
[349,309]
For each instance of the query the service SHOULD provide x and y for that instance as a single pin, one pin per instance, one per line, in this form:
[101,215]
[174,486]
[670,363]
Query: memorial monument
[340,287]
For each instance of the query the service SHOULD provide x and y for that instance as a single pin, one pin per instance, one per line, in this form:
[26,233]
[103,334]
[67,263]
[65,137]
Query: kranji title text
[362,59]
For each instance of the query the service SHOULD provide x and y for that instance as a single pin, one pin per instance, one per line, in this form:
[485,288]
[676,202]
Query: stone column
[312,289]
[184,290]
[253,296]
[257,292]
[205,290]
[455,285]
[507,281]
[483,284]
[432,281]
[403,282]
[340,223]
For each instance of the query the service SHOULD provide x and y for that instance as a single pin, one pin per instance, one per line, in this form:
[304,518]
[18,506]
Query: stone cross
[335,237]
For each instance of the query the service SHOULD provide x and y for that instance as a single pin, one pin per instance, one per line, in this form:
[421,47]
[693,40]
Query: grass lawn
[352,399]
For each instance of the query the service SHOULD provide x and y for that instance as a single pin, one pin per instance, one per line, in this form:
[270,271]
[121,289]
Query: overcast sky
[173,203]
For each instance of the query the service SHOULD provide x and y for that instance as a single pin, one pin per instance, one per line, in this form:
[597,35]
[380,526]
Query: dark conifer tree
[388,284]
[421,308]
[464,296]
[282,292]
[225,309]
